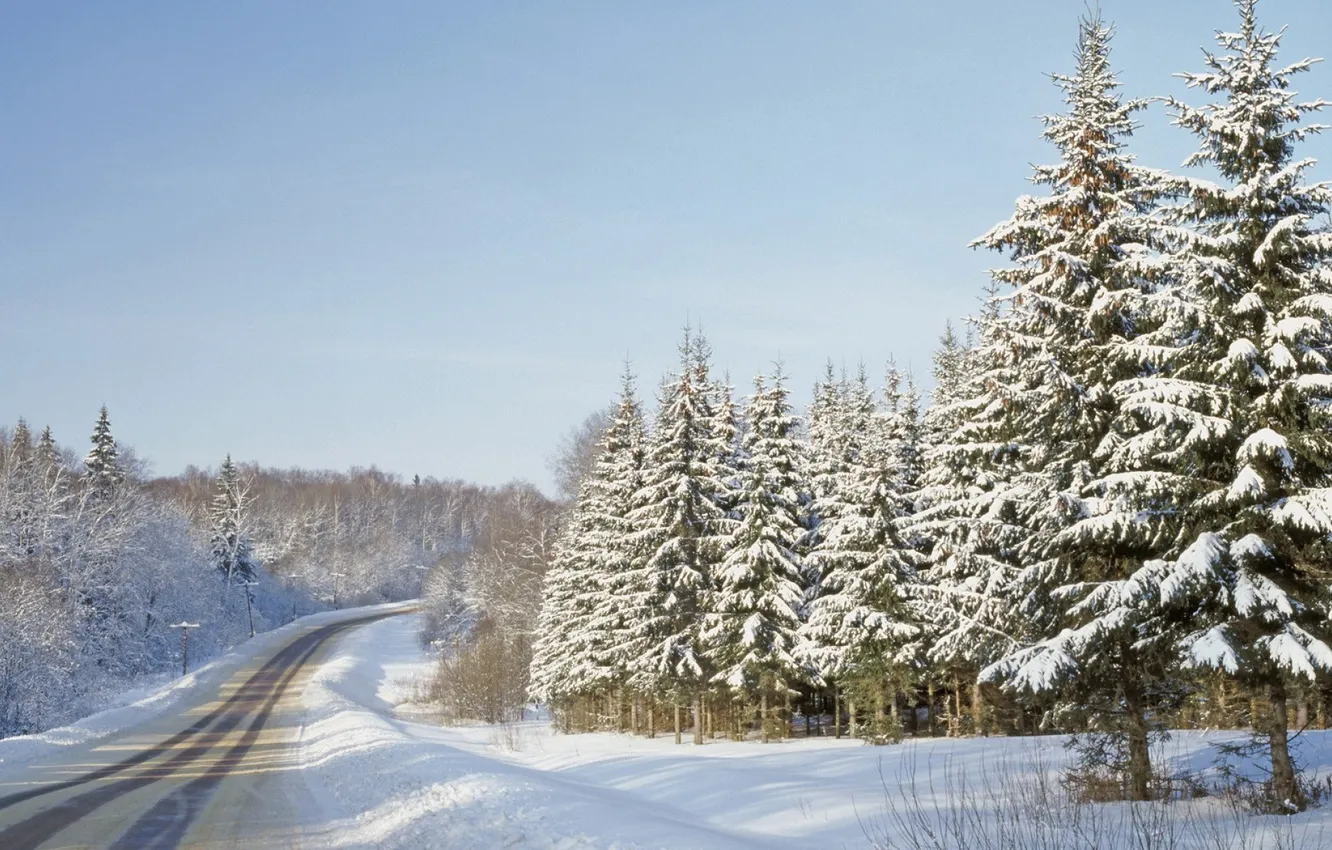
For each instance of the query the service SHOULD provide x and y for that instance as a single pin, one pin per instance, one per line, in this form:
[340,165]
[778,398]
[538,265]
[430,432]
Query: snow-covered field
[397,783]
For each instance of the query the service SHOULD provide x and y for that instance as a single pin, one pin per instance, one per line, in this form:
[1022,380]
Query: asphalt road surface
[216,774]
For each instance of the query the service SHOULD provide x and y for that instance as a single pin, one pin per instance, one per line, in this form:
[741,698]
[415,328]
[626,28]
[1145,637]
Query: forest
[1111,519]
[100,561]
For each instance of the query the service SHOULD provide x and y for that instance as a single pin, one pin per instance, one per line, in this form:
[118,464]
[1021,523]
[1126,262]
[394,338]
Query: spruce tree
[968,516]
[1075,253]
[752,626]
[680,531]
[584,642]
[230,543]
[861,627]
[1221,456]
[48,454]
[102,464]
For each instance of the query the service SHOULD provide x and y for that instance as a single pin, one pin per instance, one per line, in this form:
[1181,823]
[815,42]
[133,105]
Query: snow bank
[164,692]
[385,781]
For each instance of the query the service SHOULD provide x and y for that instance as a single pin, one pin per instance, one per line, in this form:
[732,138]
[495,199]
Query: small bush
[484,679]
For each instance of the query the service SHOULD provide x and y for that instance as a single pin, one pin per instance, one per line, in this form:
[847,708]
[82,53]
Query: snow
[153,698]
[379,774]
[1266,443]
[392,782]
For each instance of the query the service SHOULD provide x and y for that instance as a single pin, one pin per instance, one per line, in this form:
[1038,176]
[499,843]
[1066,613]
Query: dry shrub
[484,679]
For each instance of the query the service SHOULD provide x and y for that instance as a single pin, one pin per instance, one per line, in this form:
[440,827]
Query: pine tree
[968,514]
[102,464]
[1074,253]
[861,626]
[48,454]
[230,544]
[752,625]
[1220,459]
[20,443]
[680,531]
[941,418]
[584,643]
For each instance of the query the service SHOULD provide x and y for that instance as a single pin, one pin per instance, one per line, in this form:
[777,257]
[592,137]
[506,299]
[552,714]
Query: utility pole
[336,576]
[185,644]
[249,601]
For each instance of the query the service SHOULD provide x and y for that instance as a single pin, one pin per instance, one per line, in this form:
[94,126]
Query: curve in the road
[163,825]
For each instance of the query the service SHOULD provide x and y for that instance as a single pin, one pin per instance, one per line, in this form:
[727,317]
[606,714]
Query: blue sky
[426,235]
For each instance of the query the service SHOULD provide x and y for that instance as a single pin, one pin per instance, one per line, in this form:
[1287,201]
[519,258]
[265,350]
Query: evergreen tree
[584,641]
[1075,251]
[102,464]
[1220,457]
[680,531]
[968,514]
[941,418]
[48,454]
[20,443]
[230,545]
[753,622]
[861,627]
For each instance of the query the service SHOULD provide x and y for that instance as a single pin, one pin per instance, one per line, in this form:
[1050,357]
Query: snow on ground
[390,782]
[378,778]
[158,694]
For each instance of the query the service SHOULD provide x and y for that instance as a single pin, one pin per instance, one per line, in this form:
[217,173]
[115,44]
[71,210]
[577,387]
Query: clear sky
[426,235]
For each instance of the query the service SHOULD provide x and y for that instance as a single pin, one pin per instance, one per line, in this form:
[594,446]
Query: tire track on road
[264,688]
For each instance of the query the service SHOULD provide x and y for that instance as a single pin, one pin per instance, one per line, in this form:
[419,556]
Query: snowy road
[216,773]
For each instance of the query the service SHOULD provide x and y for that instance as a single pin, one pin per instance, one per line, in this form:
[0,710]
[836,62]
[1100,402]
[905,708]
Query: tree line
[98,561]
[1112,518]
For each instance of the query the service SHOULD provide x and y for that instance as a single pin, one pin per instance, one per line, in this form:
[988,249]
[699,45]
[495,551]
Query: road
[217,774]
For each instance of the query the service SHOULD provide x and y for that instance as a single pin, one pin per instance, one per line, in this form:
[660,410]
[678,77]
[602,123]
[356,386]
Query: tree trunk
[930,696]
[786,714]
[1284,787]
[763,716]
[837,713]
[851,717]
[677,722]
[698,719]
[955,721]
[978,708]
[652,717]
[879,726]
[1140,764]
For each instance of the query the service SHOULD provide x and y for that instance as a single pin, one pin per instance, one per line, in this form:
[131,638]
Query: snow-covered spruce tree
[941,418]
[21,492]
[966,596]
[102,465]
[839,422]
[584,646]
[230,544]
[751,630]
[680,535]
[1074,254]
[48,453]
[561,667]
[861,628]
[1222,449]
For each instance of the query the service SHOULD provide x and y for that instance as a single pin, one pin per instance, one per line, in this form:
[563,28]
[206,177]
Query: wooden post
[184,644]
